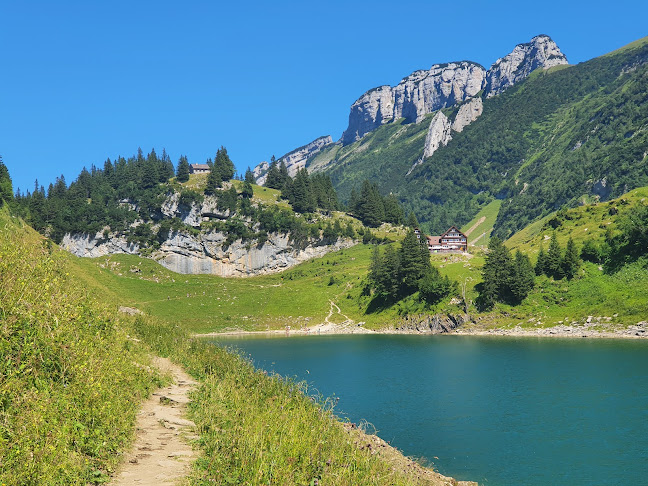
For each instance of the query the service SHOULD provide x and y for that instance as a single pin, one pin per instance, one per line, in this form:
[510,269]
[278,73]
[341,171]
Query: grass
[482,224]
[72,375]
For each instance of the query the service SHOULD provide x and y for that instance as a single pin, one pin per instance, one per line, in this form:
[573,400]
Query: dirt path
[161,454]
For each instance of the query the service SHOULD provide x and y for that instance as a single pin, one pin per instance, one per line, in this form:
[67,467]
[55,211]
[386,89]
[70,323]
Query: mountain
[537,135]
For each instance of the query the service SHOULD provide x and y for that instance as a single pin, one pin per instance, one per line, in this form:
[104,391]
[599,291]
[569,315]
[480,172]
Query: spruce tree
[223,164]
[283,172]
[541,263]
[302,199]
[182,174]
[554,259]
[247,190]
[6,188]
[415,263]
[571,261]
[273,177]
[213,182]
[249,176]
[496,274]
[522,279]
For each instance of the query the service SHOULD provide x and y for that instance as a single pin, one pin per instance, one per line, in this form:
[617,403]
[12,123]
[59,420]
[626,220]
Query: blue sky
[84,81]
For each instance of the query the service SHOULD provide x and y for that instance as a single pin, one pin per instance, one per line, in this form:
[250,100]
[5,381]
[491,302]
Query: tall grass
[70,378]
[263,429]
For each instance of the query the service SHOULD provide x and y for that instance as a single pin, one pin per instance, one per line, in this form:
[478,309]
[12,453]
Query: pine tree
[496,273]
[371,210]
[522,279]
[249,176]
[283,172]
[223,164]
[213,182]
[182,174]
[247,191]
[302,199]
[412,222]
[414,262]
[554,259]
[6,188]
[541,263]
[273,177]
[571,261]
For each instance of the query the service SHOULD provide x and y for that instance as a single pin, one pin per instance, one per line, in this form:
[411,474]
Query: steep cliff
[445,85]
[207,253]
[542,51]
[417,95]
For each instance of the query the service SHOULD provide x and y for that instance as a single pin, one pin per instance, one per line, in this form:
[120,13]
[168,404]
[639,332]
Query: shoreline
[636,331]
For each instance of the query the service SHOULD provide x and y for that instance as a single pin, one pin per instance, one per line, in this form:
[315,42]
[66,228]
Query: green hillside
[563,136]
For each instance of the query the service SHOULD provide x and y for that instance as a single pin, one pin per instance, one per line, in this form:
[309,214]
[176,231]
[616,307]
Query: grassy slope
[301,296]
[481,230]
[71,379]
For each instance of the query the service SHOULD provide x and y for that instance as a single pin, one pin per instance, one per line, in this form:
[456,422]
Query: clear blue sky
[84,81]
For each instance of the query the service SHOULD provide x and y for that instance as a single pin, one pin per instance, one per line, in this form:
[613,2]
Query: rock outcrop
[542,51]
[417,95]
[438,134]
[295,159]
[440,131]
[436,324]
[446,85]
[468,113]
[207,252]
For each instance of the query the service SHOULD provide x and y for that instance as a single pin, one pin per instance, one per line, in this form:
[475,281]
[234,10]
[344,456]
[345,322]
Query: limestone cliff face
[542,51]
[438,134]
[207,253]
[446,85]
[468,113]
[440,131]
[417,95]
[295,159]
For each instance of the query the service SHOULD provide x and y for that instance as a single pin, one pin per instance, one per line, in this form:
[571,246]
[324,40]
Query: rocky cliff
[190,251]
[542,51]
[418,94]
[445,85]
[295,159]
[207,253]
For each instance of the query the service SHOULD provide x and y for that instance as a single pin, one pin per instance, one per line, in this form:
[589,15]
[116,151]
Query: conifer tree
[182,174]
[213,182]
[522,279]
[541,263]
[249,176]
[496,273]
[223,164]
[273,177]
[414,262]
[6,188]
[554,259]
[302,198]
[283,172]
[571,261]
[247,191]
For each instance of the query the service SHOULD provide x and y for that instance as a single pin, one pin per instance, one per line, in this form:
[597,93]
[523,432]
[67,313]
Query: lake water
[500,411]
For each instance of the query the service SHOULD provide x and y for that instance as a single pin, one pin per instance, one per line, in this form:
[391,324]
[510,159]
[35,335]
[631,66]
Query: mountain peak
[542,52]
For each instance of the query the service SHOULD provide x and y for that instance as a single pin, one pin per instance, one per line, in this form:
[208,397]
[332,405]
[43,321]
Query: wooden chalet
[452,241]
[199,169]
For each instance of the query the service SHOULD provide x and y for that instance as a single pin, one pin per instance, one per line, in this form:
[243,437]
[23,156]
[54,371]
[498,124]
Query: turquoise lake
[500,411]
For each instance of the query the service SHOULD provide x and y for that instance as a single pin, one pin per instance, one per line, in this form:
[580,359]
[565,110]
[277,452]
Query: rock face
[417,95]
[542,51]
[207,254]
[440,131]
[468,113]
[438,134]
[294,160]
[445,85]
